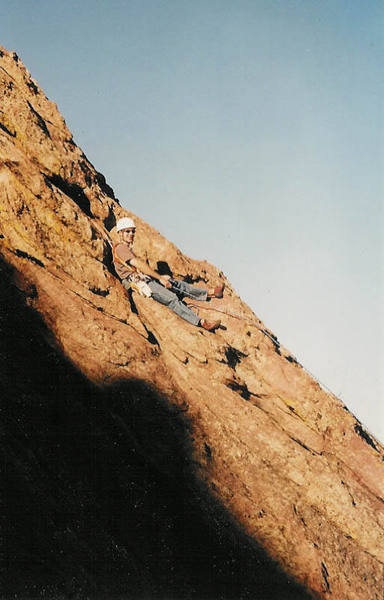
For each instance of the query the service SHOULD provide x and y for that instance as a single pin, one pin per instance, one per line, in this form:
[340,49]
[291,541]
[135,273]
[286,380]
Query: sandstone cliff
[249,478]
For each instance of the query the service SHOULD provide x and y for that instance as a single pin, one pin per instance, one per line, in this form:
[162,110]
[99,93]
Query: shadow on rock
[101,500]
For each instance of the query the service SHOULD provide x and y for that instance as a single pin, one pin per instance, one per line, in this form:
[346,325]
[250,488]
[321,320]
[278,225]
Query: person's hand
[164,279]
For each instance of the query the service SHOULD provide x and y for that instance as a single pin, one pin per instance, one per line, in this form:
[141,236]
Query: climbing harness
[139,286]
[134,280]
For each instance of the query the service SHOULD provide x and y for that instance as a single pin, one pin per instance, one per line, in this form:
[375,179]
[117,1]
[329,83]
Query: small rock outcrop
[134,439]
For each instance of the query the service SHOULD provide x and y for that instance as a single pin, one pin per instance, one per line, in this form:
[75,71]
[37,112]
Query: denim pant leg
[168,298]
[189,290]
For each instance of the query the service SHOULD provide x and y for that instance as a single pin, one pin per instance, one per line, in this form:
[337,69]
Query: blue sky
[250,133]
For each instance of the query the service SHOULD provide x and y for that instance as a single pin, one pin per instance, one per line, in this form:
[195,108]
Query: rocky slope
[147,458]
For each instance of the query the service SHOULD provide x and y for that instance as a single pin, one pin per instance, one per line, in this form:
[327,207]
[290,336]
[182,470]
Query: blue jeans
[170,297]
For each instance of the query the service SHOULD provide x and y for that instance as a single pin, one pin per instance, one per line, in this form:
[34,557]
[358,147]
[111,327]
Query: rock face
[165,460]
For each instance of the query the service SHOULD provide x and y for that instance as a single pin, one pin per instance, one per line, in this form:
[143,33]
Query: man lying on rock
[135,273]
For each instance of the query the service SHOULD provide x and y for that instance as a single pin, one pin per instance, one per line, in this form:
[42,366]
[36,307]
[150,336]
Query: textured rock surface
[294,470]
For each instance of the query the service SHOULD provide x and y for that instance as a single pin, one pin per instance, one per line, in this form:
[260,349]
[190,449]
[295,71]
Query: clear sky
[250,133]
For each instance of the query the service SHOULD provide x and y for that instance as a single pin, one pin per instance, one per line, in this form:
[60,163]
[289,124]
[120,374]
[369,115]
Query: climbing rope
[273,339]
[236,316]
[103,232]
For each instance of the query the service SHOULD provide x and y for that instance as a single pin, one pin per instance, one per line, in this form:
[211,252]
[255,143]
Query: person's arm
[142,266]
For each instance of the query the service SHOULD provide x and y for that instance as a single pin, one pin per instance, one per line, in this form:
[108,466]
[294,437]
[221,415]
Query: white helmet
[125,223]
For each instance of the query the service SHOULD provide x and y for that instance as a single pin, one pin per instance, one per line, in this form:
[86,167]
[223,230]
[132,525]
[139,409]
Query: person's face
[128,235]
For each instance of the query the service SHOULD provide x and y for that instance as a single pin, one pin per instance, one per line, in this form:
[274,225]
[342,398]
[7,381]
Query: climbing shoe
[209,325]
[217,292]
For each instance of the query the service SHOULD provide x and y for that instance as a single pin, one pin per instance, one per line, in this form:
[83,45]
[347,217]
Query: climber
[136,274]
